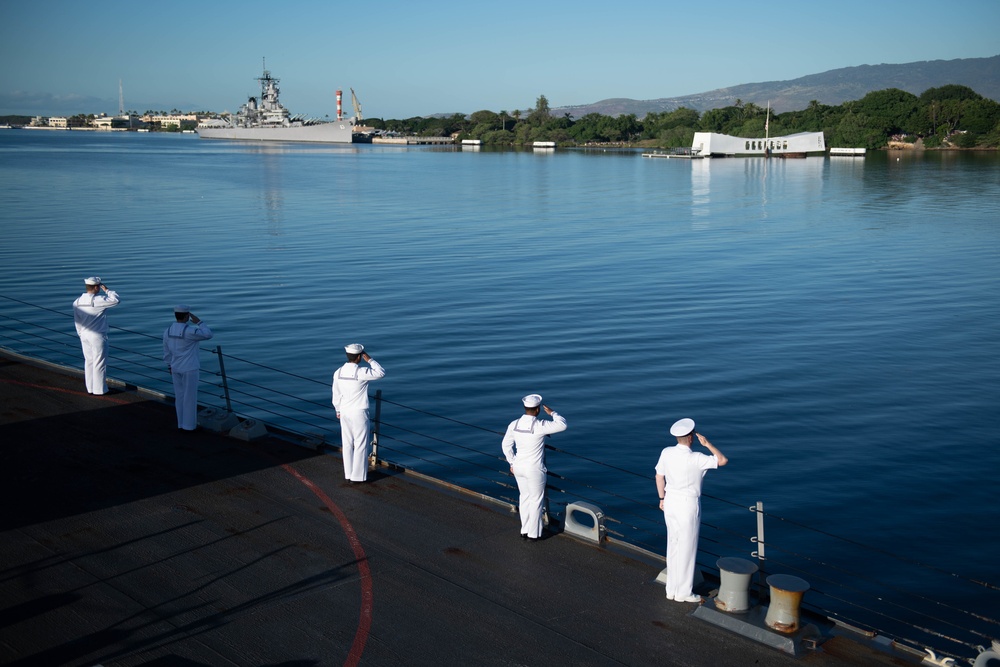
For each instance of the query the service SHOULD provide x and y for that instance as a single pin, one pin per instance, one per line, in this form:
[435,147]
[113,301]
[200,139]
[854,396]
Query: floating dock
[677,153]
[412,141]
[847,152]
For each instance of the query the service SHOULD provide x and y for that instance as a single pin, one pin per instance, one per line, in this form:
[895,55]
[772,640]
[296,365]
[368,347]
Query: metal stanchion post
[225,383]
[373,459]
[763,590]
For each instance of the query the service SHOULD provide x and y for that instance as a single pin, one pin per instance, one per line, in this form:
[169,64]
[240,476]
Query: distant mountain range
[834,87]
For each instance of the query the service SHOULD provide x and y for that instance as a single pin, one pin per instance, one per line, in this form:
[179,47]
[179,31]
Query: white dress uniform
[92,327]
[683,471]
[524,447]
[180,351]
[350,398]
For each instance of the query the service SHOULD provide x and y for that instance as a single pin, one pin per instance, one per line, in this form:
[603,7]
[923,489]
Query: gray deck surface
[126,542]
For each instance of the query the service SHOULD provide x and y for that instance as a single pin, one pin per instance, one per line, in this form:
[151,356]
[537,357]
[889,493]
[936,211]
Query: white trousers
[186,398]
[682,515]
[531,484]
[355,436]
[95,361]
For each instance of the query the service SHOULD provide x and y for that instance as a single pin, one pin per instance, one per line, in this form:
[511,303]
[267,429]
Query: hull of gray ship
[337,132]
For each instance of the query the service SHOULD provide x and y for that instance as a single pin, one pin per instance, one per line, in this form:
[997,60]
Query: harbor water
[830,323]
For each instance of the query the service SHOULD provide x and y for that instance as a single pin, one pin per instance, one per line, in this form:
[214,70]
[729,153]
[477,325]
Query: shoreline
[415,140]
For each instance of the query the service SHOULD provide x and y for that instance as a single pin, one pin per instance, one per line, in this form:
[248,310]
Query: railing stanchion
[373,461]
[763,591]
[225,383]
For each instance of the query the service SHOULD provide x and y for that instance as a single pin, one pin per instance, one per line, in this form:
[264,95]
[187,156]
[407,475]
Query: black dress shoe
[524,536]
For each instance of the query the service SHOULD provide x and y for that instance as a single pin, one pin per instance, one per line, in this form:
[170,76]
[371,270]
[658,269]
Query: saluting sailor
[180,351]
[524,447]
[350,398]
[89,316]
[679,474]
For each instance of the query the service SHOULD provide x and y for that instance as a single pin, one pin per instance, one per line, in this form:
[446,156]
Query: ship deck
[126,542]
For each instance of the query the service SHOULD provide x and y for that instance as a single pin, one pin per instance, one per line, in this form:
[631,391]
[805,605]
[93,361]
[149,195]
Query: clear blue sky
[408,59]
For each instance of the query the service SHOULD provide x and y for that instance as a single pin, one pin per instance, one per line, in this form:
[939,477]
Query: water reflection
[701,180]
[771,186]
[271,193]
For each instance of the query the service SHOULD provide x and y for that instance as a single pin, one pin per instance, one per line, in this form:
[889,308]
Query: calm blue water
[831,324]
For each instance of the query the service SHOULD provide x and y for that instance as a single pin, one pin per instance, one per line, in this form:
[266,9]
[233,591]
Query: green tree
[654,125]
[892,111]
[541,113]
[717,120]
[854,131]
[981,115]
[484,117]
[589,129]
[498,138]
[949,92]
[966,140]
[627,126]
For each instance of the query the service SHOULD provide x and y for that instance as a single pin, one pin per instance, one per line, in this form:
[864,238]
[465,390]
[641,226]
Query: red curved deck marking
[103,397]
[365,620]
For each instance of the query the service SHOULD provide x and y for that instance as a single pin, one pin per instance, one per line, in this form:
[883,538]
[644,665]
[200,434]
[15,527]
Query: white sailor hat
[94,280]
[354,348]
[182,309]
[682,427]
[532,400]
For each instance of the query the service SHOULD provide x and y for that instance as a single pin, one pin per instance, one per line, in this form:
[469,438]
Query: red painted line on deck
[365,620]
[73,392]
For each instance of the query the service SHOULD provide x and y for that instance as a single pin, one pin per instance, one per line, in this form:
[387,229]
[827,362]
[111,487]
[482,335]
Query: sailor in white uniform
[679,474]
[180,351]
[524,447]
[350,398]
[89,316]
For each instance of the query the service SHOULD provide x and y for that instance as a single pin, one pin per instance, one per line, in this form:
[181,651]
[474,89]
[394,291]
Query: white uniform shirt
[524,442]
[683,469]
[180,345]
[88,312]
[350,385]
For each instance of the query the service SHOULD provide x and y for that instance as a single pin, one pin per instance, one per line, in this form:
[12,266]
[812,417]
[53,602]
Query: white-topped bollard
[988,657]
[734,584]
[594,531]
[786,596]
[216,419]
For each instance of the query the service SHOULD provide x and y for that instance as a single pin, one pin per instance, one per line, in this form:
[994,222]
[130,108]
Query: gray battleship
[268,120]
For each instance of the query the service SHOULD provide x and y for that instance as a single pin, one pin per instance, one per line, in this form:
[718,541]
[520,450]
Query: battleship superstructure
[268,120]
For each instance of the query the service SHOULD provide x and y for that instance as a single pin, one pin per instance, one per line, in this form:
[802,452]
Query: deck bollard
[593,532]
[786,595]
[216,419]
[248,430]
[734,585]
[988,657]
